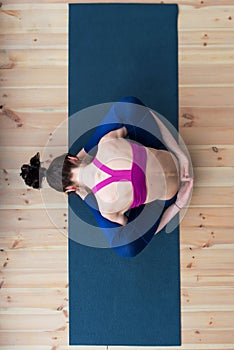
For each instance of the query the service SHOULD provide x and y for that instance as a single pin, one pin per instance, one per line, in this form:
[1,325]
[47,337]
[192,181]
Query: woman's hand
[184,192]
[184,167]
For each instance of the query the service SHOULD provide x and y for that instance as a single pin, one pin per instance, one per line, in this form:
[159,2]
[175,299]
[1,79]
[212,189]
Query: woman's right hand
[184,192]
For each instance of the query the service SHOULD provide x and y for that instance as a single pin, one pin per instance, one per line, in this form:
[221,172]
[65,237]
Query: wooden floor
[34,277]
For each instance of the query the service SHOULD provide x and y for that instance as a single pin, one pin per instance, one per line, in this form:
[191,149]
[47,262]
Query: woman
[122,176]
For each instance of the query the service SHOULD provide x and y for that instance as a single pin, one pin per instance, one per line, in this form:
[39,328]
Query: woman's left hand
[184,167]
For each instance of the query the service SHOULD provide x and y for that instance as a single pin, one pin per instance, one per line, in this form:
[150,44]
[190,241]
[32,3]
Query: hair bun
[33,173]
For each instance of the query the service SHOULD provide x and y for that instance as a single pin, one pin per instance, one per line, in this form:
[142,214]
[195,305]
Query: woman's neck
[84,175]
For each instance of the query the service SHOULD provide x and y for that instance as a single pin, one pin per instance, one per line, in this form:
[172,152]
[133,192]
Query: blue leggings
[118,116]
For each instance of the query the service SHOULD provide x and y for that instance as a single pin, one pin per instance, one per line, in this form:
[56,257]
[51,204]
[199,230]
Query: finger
[186,170]
[184,179]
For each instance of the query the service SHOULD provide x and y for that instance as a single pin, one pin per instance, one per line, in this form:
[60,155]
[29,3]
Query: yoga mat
[119,50]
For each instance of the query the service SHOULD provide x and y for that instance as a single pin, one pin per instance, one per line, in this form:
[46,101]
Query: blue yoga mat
[120,50]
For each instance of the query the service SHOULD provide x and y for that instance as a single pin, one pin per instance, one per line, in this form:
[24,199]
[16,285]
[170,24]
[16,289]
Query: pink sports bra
[136,175]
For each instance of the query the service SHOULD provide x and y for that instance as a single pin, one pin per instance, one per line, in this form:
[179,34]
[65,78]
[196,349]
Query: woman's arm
[118,133]
[168,214]
[175,148]
[167,136]
[182,199]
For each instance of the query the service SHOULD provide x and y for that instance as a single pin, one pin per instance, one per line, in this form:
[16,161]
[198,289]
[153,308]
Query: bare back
[162,178]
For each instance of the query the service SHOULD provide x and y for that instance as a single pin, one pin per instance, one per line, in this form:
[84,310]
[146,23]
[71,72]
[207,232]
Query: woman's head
[58,175]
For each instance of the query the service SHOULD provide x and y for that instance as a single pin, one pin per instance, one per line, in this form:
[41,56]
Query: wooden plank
[208,17]
[33,58]
[205,337]
[27,322]
[209,217]
[193,135]
[36,238]
[206,117]
[46,299]
[207,277]
[34,18]
[205,237]
[205,55]
[206,96]
[23,199]
[36,218]
[208,320]
[207,298]
[197,74]
[207,258]
[27,136]
[42,77]
[34,41]
[212,156]
[28,97]
[210,37]
[31,278]
[33,118]
[35,259]
[208,177]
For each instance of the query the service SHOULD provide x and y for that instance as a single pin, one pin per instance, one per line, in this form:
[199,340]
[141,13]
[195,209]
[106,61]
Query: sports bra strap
[116,175]
[103,167]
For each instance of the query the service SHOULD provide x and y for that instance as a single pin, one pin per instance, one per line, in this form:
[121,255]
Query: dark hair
[58,175]
[30,172]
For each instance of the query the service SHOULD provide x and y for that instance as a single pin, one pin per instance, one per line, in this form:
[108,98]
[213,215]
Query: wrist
[178,205]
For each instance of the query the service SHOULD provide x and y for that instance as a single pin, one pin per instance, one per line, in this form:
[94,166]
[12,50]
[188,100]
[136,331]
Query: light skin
[84,177]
